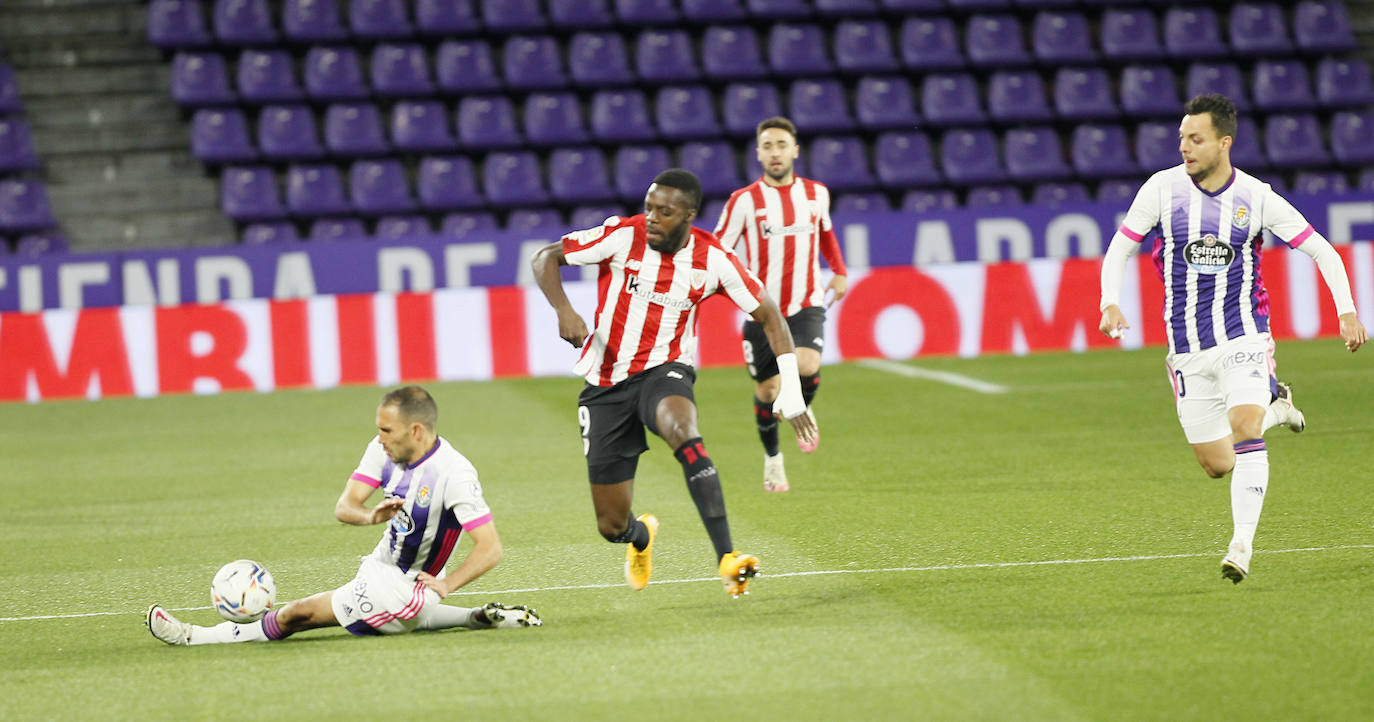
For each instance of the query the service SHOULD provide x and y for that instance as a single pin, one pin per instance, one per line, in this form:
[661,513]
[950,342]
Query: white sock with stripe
[1249,481]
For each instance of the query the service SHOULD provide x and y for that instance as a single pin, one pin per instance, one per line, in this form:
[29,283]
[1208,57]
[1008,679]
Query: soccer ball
[243,591]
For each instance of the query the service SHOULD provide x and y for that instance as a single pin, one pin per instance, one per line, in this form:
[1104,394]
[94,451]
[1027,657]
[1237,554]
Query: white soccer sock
[440,616]
[1249,481]
[228,632]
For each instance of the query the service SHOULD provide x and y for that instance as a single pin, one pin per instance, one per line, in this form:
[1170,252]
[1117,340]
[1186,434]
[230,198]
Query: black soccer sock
[704,484]
[768,425]
[636,533]
[810,385]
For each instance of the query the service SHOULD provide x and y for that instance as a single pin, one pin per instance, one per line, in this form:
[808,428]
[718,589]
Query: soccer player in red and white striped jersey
[780,223]
[654,270]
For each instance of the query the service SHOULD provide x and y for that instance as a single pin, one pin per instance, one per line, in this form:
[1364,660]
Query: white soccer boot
[503,616]
[167,628]
[774,477]
[1236,565]
[1291,416]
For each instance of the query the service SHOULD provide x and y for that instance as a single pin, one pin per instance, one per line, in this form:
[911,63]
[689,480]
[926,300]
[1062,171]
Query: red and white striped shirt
[646,302]
[779,230]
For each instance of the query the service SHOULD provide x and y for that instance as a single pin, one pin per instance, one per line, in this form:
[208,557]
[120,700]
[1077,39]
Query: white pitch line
[824,572]
[944,377]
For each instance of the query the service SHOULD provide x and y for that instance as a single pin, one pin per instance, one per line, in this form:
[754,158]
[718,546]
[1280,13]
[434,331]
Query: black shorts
[613,418]
[807,327]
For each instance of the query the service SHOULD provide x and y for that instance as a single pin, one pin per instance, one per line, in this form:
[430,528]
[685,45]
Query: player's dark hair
[1222,110]
[776,121]
[413,403]
[685,181]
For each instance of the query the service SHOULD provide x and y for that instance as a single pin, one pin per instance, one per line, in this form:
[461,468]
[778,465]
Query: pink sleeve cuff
[1137,237]
[364,478]
[479,521]
[1298,239]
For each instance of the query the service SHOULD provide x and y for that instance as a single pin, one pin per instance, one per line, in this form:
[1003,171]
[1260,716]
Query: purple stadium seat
[581,14]
[244,22]
[334,73]
[16,146]
[379,19]
[1018,96]
[421,126]
[745,104]
[354,129]
[533,63]
[466,66]
[250,193]
[924,201]
[978,5]
[512,16]
[713,11]
[841,162]
[905,159]
[441,18]
[1277,182]
[710,213]
[468,225]
[1121,192]
[268,76]
[731,52]
[931,44]
[798,50]
[1058,195]
[1101,151]
[288,132]
[1257,29]
[1193,33]
[177,25]
[646,12]
[9,91]
[528,220]
[1246,150]
[513,179]
[665,56]
[993,41]
[993,196]
[951,99]
[913,5]
[487,121]
[401,70]
[401,227]
[201,79]
[819,106]
[864,46]
[592,215]
[1350,138]
[1149,90]
[313,21]
[714,163]
[1344,83]
[1282,85]
[870,202]
[268,234]
[1131,35]
[1224,78]
[554,119]
[220,135]
[37,245]
[685,111]
[970,156]
[1323,26]
[599,59]
[635,168]
[846,8]
[579,175]
[621,116]
[779,9]
[378,187]
[1034,154]
[337,229]
[1366,180]
[1294,140]
[1320,183]
[1062,37]
[1084,94]
[886,102]
[447,183]
[1156,146]
[316,190]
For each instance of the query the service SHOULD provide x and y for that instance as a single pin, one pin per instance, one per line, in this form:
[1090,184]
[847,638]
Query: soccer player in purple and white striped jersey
[1208,218]
[431,498]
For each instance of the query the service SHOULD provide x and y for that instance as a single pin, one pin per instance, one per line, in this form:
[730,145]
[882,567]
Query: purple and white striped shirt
[1207,252]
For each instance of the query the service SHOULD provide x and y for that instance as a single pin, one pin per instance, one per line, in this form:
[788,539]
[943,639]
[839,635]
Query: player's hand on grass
[386,509]
[433,583]
[1353,332]
[1113,322]
[572,328]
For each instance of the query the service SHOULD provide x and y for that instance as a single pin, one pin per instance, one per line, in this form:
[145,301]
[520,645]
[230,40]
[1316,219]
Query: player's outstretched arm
[546,262]
[789,403]
[486,553]
[351,507]
[1353,332]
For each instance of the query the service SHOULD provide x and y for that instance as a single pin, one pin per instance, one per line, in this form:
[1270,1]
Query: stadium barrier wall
[962,309]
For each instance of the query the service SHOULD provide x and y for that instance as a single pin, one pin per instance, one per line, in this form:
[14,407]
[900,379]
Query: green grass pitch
[1051,552]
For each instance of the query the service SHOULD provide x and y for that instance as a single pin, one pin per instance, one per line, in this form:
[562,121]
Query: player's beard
[673,242]
[783,171]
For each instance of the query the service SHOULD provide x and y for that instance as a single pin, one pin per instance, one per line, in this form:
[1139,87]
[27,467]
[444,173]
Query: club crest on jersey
[423,496]
[698,277]
[1241,219]
[1208,255]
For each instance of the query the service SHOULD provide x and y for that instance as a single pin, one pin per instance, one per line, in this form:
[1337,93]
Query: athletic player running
[431,496]
[1209,217]
[654,270]
[779,223]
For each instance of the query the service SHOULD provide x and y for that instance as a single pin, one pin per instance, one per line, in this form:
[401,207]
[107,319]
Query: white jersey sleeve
[1284,221]
[732,278]
[370,468]
[730,227]
[594,245]
[463,494]
[1144,213]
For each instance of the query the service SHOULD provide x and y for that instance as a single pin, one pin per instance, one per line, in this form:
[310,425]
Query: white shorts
[380,600]
[1208,383]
